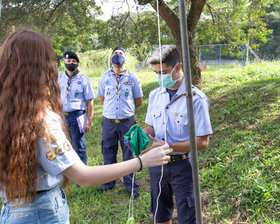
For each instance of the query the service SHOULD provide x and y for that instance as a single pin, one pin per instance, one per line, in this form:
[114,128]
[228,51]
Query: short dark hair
[168,54]
[172,59]
[118,48]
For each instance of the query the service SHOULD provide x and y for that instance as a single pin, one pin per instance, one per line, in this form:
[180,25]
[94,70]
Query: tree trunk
[173,23]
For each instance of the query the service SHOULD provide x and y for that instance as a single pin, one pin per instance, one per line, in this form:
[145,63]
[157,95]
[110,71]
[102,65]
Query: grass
[239,171]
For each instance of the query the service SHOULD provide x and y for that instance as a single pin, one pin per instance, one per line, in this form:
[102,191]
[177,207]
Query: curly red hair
[28,84]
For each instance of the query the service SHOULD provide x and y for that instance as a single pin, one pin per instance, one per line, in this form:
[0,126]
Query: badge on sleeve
[59,150]
[51,155]
[67,146]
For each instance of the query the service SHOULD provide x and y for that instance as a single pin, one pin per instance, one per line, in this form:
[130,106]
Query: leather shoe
[101,191]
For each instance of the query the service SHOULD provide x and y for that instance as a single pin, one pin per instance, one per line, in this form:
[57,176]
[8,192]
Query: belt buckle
[65,113]
[117,121]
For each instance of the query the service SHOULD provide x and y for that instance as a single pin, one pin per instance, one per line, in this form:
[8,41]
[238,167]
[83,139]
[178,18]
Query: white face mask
[167,81]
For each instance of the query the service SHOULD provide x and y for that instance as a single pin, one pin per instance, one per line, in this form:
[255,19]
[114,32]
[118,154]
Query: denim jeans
[78,139]
[49,207]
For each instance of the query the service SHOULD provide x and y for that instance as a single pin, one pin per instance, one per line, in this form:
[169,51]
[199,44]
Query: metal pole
[188,82]
[0,8]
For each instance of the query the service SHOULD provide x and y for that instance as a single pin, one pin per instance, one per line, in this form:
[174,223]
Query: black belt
[117,121]
[179,157]
[73,112]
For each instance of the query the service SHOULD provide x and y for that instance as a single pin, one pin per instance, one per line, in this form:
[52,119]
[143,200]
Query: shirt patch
[126,94]
[76,94]
[127,83]
[108,83]
[67,146]
[59,150]
[51,155]
[79,82]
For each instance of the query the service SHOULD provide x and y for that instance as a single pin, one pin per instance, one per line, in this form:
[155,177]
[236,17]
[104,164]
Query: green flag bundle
[137,139]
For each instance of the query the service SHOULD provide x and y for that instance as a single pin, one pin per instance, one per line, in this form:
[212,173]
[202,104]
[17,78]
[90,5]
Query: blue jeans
[78,139]
[111,134]
[49,207]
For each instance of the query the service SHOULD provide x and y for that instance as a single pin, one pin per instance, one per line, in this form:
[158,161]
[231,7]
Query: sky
[116,7]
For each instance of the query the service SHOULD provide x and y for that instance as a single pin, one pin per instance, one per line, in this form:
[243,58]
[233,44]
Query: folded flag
[137,139]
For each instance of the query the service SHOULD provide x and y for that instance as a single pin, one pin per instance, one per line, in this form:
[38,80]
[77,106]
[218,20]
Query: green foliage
[96,62]
[240,170]
[67,23]
[137,31]
[233,22]
[271,50]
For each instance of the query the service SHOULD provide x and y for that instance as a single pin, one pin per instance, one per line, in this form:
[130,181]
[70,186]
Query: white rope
[130,210]
[164,117]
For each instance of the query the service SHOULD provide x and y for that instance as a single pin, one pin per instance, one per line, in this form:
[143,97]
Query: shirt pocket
[181,122]
[109,92]
[158,121]
[77,91]
[126,92]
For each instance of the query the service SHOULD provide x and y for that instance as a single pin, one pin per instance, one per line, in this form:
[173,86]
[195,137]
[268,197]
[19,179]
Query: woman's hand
[156,143]
[156,156]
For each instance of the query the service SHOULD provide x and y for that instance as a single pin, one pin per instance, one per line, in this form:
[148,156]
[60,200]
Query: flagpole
[188,83]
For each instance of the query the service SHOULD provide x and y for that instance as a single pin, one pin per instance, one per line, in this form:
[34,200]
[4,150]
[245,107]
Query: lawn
[239,171]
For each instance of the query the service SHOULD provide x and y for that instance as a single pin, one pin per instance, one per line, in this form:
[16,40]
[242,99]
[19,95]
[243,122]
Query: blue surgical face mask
[118,59]
[167,81]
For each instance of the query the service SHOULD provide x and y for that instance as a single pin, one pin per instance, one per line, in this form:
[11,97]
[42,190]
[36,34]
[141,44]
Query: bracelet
[141,164]
[170,146]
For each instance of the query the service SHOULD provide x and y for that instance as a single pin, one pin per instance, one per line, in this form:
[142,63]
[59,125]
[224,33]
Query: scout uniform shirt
[52,157]
[119,95]
[164,115]
[74,91]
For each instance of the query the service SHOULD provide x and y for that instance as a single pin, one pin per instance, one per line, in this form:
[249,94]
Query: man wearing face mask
[120,92]
[77,98]
[167,121]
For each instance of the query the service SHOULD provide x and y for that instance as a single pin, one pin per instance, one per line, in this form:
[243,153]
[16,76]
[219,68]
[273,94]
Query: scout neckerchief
[69,82]
[118,77]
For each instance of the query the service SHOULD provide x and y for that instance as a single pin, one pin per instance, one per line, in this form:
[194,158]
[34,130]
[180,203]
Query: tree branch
[51,14]
[211,12]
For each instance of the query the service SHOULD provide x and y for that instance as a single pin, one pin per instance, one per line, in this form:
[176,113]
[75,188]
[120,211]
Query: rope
[164,118]
[130,213]
[130,210]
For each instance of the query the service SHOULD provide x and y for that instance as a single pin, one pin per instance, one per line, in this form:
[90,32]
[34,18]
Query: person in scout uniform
[168,122]
[35,153]
[120,92]
[77,98]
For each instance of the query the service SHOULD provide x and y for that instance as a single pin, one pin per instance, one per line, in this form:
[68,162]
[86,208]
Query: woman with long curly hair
[35,154]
